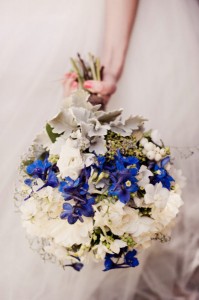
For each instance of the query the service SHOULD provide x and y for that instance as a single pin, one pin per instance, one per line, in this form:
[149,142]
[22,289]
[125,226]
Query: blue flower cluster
[78,191]
[122,171]
[43,170]
[129,260]
[70,189]
[161,175]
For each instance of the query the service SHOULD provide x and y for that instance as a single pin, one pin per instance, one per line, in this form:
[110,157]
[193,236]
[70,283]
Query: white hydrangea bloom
[29,209]
[180,180]
[156,194]
[116,245]
[143,176]
[111,215]
[169,213]
[66,234]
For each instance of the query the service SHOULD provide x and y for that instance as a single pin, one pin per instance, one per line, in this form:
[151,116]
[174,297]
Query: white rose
[70,162]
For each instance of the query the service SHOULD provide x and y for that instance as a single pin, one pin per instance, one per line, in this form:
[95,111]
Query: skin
[119,20]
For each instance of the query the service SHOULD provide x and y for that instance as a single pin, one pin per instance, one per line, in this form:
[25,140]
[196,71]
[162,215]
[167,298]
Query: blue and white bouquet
[97,186]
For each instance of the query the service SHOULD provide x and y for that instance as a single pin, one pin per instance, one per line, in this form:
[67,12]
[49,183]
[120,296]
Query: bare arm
[120,16]
[119,20]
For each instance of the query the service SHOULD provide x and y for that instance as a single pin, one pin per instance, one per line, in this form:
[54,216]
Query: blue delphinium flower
[74,213]
[123,179]
[123,162]
[28,182]
[39,168]
[109,264]
[123,184]
[161,175]
[43,170]
[52,180]
[78,191]
[70,213]
[104,165]
[129,260]
[69,187]
[76,266]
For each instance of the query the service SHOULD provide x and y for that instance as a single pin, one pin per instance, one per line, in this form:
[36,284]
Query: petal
[165,161]
[87,210]
[68,208]
[133,188]
[72,219]
[52,180]
[77,266]
[108,264]
[124,196]
[64,215]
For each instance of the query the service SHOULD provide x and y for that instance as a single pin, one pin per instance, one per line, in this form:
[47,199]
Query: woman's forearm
[120,16]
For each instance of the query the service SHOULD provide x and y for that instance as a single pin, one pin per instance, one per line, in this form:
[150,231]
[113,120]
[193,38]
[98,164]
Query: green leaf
[53,136]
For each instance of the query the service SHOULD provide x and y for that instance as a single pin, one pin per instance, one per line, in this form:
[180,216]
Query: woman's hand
[69,83]
[104,89]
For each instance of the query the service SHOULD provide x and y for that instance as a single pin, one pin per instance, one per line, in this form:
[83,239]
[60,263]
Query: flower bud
[149,146]
[150,155]
[162,152]
[158,157]
[157,149]
[143,141]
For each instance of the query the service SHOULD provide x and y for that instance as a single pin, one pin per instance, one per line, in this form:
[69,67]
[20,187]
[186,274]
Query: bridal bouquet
[97,186]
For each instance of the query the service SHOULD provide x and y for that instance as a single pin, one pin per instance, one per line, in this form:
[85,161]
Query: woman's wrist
[113,66]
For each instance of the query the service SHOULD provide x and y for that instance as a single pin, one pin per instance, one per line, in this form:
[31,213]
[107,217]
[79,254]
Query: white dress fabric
[160,81]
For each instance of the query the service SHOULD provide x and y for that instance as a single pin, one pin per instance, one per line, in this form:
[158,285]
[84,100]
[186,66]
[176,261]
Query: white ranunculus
[70,162]
[156,195]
